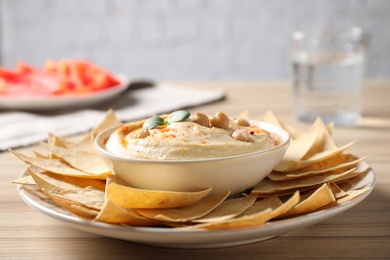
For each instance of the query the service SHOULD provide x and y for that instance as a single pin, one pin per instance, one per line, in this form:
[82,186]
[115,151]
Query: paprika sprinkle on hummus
[182,136]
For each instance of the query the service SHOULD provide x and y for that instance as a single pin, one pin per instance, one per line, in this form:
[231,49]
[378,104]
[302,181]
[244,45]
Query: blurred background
[183,39]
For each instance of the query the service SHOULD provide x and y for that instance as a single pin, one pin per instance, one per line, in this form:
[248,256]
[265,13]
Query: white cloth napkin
[23,128]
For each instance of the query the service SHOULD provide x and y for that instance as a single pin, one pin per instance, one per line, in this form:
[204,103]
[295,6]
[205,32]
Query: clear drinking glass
[328,74]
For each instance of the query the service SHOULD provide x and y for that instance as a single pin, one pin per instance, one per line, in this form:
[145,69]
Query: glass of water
[328,74]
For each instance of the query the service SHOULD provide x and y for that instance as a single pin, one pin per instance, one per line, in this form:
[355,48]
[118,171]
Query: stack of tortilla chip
[72,176]
[313,163]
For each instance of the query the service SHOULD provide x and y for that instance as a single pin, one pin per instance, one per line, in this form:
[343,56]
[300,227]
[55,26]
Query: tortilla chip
[286,206]
[228,209]
[292,131]
[275,204]
[323,142]
[246,221]
[330,127]
[112,213]
[183,214]
[287,165]
[88,197]
[352,194]
[74,207]
[25,180]
[109,120]
[57,166]
[54,140]
[256,215]
[86,142]
[128,197]
[85,196]
[301,146]
[271,201]
[40,155]
[319,198]
[337,191]
[267,186]
[84,161]
[339,161]
[38,193]
[270,118]
[353,182]
[65,182]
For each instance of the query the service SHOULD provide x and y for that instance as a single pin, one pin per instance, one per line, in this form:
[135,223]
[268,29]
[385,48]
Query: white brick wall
[182,39]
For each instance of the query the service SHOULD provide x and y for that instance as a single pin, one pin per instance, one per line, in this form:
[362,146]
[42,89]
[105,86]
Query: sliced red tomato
[50,66]
[56,78]
[9,76]
[23,69]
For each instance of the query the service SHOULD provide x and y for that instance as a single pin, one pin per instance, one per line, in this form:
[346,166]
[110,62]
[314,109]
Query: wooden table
[361,232]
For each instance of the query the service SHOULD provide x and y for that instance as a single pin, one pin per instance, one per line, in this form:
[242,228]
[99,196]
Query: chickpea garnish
[220,120]
[143,133]
[241,122]
[241,135]
[201,119]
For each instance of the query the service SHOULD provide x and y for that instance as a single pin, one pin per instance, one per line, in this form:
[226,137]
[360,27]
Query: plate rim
[195,238]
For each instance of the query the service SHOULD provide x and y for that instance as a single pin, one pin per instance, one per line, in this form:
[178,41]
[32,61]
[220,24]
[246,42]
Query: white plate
[66,101]
[176,238]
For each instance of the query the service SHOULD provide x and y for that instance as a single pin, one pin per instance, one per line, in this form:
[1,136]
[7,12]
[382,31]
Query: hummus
[186,140]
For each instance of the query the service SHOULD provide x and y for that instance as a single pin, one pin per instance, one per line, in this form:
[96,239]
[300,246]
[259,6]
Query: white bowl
[235,174]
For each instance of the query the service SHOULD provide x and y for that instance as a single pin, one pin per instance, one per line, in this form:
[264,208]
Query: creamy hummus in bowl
[183,152]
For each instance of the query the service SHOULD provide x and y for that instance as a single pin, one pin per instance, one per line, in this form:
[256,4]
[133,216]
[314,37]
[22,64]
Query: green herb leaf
[153,122]
[179,116]
[157,121]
